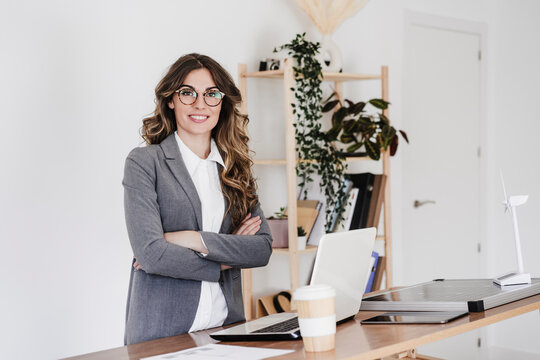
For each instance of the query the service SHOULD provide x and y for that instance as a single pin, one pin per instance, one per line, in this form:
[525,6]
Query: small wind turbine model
[519,277]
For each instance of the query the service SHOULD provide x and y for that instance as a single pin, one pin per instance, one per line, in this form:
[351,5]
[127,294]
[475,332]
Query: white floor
[496,353]
[459,347]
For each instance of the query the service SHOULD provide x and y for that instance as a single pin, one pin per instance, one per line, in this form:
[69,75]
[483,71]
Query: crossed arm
[192,239]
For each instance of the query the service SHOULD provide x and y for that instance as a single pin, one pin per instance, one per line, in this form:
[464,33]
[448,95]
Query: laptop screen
[343,261]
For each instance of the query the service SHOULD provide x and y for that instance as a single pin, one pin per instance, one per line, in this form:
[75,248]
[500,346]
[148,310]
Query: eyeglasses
[188,96]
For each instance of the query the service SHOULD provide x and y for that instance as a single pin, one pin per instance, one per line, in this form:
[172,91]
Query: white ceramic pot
[301,242]
[330,55]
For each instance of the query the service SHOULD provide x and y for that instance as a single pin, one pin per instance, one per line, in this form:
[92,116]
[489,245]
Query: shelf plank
[284,162]
[309,248]
[327,76]
[270,162]
[285,251]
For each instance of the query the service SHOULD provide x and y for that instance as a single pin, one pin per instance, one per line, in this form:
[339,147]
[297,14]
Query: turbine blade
[504,188]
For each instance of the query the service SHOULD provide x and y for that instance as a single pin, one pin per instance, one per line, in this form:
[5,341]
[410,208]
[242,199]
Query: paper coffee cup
[316,316]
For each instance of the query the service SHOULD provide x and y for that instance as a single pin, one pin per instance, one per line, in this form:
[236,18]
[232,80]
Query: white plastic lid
[314,292]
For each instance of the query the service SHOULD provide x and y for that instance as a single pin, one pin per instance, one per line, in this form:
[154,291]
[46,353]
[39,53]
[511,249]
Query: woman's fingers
[253,228]
[136,265]
[247,222]
[250,227]
[243,222]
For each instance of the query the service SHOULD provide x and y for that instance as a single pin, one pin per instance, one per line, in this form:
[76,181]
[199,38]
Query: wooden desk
[353,341]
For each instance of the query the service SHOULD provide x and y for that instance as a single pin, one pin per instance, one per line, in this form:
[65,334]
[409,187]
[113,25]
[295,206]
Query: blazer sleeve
[242,251]
[145,230]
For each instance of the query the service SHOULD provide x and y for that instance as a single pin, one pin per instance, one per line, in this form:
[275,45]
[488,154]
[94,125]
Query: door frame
[412,18]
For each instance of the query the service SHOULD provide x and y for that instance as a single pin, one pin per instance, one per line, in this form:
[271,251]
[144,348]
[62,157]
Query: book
[364,183]
[374,262]
[318,229]
[377,199]
[312,190]
[307,212]
[379,271]
[366,201]
[347,214]
[347,187]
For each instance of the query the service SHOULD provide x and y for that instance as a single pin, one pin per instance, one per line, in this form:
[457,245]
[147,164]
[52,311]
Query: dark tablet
[415,317]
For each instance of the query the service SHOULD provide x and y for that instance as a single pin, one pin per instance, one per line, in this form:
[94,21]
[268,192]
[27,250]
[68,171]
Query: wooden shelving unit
[286,74]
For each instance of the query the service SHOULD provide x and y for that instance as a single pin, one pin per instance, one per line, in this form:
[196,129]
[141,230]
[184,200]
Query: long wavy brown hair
[230,133]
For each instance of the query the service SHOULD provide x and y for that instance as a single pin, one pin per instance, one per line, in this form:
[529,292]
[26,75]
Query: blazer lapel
[227,222]
[174,160]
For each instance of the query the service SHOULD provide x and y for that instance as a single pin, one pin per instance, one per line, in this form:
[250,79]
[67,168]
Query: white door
[441,165]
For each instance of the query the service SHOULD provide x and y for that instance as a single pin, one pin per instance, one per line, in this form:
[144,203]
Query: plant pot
[279,228]
[301,241]
[354,154]
[330,55]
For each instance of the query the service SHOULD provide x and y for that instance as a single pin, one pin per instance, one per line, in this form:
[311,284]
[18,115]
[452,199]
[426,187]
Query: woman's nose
[199,102]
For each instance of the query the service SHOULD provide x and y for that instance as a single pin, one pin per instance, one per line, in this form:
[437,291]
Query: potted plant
[301,239]
[354,126]
[315,152]
[279,226]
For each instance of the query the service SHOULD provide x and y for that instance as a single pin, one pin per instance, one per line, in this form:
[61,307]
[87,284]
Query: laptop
[342,261]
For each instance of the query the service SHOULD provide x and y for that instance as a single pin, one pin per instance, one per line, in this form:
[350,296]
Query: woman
[192,212]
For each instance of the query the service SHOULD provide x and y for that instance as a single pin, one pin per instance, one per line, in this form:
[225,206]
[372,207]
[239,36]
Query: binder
[347,214]
[379,271]
[375,258]
[364,183]
[347,186]
[377,199]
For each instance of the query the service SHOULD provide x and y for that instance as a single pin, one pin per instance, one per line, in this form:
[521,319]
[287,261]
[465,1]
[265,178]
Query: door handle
[418,203]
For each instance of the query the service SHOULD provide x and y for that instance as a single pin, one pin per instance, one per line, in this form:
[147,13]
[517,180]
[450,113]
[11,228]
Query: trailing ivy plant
[352,124]
[315,152]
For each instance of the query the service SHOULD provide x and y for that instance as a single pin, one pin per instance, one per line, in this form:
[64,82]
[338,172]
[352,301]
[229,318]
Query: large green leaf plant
[354,126]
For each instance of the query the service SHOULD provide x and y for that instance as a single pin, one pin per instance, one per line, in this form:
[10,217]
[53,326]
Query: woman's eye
[214,94]
[187,92]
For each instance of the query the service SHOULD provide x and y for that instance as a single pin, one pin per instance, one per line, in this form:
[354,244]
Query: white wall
[514,92]
[78,77]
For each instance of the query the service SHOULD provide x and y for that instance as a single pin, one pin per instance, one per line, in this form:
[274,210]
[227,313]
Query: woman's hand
[249,226]
[136,265]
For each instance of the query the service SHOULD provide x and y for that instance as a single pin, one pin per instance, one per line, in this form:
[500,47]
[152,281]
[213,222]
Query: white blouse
[212,310]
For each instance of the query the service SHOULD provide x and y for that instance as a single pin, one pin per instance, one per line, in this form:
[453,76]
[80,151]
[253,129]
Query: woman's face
[198,119]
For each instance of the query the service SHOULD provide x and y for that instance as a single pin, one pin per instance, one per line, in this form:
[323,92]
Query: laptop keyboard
[284,326]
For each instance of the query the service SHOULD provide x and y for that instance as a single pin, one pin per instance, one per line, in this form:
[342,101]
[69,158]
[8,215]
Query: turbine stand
[519,277]
[514,278]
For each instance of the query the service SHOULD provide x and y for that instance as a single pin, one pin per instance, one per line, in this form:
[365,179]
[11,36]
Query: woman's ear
[171,104]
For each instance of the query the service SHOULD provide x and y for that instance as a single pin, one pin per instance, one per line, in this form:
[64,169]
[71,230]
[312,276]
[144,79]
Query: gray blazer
[159,197]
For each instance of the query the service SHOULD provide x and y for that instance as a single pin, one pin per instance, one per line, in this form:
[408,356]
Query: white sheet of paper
[221,352]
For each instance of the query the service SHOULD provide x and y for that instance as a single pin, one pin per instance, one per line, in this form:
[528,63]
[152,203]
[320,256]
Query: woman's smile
[198,118]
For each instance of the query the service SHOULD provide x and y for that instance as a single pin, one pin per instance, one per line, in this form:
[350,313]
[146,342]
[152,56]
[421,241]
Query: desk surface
[353,340]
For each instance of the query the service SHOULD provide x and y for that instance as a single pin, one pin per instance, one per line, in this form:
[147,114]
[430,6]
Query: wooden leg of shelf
[339,89]
[247,286]
[290,155]
[387,207]
[242,85]
[247,293]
